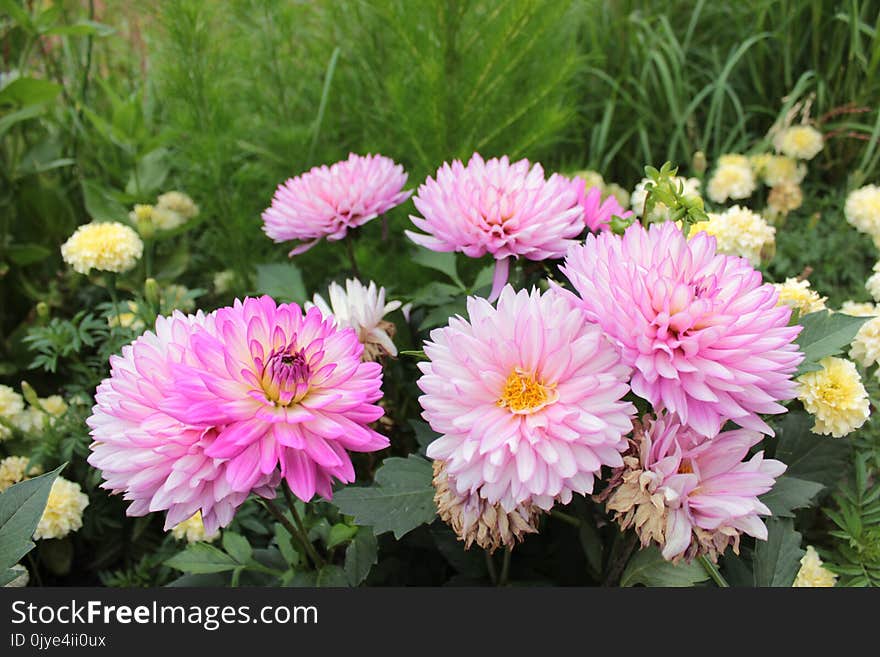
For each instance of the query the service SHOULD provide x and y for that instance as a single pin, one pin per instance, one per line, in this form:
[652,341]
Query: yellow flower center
[523,394]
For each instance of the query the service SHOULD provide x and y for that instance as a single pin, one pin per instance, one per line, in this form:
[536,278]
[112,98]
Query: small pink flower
[528,397]
[209,408]
[701,330]
[690,494]
[597,213]
[506,210]
[328,201]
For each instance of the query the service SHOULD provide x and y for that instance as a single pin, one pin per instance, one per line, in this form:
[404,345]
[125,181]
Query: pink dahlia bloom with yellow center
[329,201]
[597,213]
[209,408]
[690,494]
[506,210]
[528,399]
[701,330]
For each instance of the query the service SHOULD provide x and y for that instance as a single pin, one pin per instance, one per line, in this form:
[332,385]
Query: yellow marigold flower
[872,285]
[592,178]
[862,210]
[733,179]
[812,572]
[739,232]
[866,345]
[618,192]
[734,159]
[141,213]
[778,169]
[111,246]
[179,203]
[54,405]
[835,397]
[193,530]
[785,197]
[11,406]
[801,141]
[798,295]
[165,219]
[13,469]
[63,513]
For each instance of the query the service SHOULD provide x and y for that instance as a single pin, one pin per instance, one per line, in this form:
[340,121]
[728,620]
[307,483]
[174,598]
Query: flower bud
[698,163]
[152,292]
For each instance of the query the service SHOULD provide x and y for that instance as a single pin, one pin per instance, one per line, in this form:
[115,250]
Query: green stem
[349,246]
[490,567]
[304,534]
[148,258]
[713,572]
[291,529]
[505,567]
[564,517]
[114,299]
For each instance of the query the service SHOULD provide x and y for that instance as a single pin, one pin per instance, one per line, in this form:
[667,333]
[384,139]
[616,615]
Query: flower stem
[564,517]
[289,526]
[349,246]
[304,534]
[111,288]
[713,571]
[505,567]
[490,567]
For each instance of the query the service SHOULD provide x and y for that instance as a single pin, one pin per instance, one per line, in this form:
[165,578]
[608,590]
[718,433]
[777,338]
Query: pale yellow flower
[739,232]
[862,210]
[193,530]
[866,345]
[13,469]
[799,297]
[800,141]
[859,309]
[777,169]
[64,509]
[11,406]
[812,572]
[691,188]
[731,180]
[835,397]
[179,203]
[111,246]
[785,197]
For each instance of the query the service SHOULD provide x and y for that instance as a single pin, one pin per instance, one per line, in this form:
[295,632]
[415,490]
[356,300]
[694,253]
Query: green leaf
[825,334]
[23,92]
[101,205]
[202,558]
[648,567]
[150,173]
[27,254]
[286,546]
[443,262]
[21,507]
[789,493]
[82,28]
[777,560]
[340,533]
[19,15]
[808,456]
[282,281]
[237,547]
[401,498]
[25,113]
[360,556]
[331,576]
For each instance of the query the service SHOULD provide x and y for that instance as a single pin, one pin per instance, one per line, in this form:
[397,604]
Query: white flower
[862,210]
[798,296]
[108,246]
[193,530]
[872,285]
[739,232]
[812,572]
[866,345]
[362,308]
[800,141]
[733,179]
[11,406]
[64,509]
[835,397]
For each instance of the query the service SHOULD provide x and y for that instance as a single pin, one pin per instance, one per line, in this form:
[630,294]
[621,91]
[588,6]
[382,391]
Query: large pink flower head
[528,399]
[597,213]
[701,330]
[211,407]
[328,201]
[506,210]
[690,494]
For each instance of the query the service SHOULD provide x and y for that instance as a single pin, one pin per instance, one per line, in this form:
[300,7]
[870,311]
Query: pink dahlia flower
[507,210]
[701,330]
[211,407]
[328,201]
[597,213]
[690,494]
[528,399]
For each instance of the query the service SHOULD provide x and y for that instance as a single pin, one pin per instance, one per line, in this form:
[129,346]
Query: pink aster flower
[328,201]
[506,210]
[209,408]
[597,213]
[690,494]
[701,330]
[528,399]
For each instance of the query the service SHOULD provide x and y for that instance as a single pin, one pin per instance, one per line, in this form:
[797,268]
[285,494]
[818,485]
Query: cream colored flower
[619,193]
[866,345]
[64,509]
[799,297]
[176,297]
[193,530]
[812,572]
[14,469]
[661,212]
[859,309]
[592,178]
[141,214]
[835,397]
[774,170]
[111,246]
[862,210]
[11,406]
[474,520]
[872,285]
[800,141]
[739,232]
[784,198]
[223,281]
[179,203]
[731,180]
